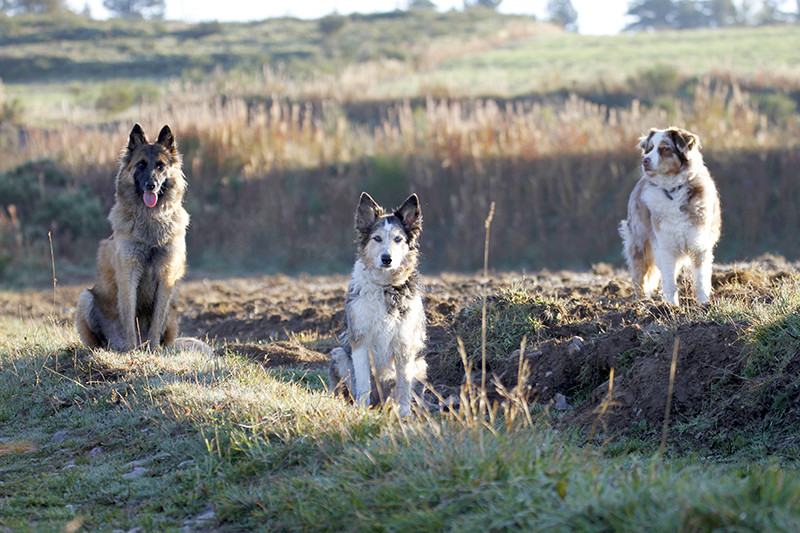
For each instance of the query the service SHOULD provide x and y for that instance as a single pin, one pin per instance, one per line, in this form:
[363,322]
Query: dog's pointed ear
[367,213]
[410,214]
[137,138]
[644,140]
[167,139]
[684,140]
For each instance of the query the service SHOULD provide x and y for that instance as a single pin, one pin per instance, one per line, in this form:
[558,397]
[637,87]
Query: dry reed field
[264,175]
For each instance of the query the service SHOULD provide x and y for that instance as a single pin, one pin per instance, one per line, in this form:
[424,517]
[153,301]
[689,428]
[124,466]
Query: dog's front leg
[702,276]
[161,308]
[127,287]
[665,261]
[361,369]
[404,380]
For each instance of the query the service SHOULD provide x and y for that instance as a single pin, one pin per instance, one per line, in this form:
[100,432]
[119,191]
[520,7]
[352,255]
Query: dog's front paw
[362,399]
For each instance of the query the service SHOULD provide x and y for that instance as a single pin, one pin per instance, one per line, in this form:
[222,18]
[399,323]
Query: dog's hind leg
[83,319]
[341,373]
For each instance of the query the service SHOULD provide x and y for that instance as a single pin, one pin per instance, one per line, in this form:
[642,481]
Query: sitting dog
[673,216]
[132,303]
[384,323]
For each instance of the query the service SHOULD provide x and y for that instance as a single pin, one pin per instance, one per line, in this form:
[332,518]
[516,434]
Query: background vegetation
[283,122]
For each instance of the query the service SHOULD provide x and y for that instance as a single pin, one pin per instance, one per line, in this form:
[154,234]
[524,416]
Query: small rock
[186,463]
[135,473]
[575,345]
[531,355]
[561,402]
[59,436]
[97,451]
[71,464]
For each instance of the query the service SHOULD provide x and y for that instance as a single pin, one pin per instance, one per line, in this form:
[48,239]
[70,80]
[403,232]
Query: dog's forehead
[387,224]
[661,137]
[150,151]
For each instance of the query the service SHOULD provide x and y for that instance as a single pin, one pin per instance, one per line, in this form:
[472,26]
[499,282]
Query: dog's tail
[625,232]
[191,344]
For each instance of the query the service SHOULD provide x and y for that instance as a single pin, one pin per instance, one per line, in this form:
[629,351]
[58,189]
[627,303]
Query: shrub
[119,96]
[38,198]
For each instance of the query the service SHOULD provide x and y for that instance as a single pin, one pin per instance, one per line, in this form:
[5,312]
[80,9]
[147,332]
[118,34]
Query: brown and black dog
[132,304]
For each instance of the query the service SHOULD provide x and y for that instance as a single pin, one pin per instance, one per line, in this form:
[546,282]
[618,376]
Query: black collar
[670,192]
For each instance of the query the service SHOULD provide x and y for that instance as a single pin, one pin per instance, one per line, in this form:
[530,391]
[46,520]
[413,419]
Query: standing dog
[132,302]
[673,216]
[384,318]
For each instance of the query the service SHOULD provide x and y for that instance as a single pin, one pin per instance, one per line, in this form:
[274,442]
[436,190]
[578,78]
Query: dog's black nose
[386,259]
[150,185]
[646,164]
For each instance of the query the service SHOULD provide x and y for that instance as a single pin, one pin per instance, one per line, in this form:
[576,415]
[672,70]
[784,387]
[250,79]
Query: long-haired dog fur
[132,303]
[384,323]
[673,216]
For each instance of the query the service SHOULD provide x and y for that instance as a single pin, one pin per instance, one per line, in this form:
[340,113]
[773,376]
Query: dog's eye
[160,166]
[377,238]
[663,150]
[141,164]
[398,239]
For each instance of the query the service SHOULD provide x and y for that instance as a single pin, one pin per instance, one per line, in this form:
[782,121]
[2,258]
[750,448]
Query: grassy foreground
[173,440]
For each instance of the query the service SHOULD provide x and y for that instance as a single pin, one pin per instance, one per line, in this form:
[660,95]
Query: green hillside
[47,62]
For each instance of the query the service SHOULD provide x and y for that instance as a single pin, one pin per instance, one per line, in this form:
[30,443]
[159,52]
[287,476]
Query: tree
[770,13]
[562,12]
[490,4]
[136,8]
[33,6]
[424,5]
[651,14]
[722,13]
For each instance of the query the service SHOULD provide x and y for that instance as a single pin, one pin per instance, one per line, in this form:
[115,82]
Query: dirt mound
[708,353]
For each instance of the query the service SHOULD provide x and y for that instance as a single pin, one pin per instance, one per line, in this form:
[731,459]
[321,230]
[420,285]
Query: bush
[661,80]
[39,198]
[119,96]
[778,107]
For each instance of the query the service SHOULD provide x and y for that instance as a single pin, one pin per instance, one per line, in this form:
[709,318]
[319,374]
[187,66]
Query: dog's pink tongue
[150,199]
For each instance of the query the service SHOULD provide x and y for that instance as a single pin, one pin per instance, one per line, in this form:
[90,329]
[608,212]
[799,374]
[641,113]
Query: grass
[596,64]
[272,450]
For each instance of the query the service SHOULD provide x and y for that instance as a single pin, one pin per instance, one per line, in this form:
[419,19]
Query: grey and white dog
[384,325]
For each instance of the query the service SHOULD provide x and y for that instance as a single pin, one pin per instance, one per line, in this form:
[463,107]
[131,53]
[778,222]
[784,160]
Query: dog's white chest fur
[672,228]
[379,327]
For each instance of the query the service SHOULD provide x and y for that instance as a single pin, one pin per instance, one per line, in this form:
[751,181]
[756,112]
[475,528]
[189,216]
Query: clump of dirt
[280,354]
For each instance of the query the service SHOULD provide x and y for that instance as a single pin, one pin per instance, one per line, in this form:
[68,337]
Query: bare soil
[282,321]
